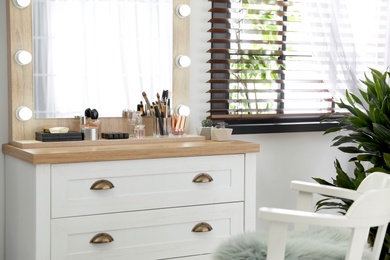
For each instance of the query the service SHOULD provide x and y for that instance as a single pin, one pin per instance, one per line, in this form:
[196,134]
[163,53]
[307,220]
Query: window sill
[280,127]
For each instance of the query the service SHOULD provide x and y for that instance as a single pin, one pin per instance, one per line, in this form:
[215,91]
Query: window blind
[262,65]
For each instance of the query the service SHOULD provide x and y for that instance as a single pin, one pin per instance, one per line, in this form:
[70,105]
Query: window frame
[276,124]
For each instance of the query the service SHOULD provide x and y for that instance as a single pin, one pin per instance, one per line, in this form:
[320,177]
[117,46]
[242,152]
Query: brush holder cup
[162,127]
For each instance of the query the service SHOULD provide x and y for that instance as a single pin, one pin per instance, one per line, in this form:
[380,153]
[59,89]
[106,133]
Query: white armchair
[371,208]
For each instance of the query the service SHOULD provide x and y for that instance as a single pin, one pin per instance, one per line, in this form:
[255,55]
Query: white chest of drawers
[151,208]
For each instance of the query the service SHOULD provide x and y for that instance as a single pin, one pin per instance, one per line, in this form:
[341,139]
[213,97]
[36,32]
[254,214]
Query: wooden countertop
[71,154]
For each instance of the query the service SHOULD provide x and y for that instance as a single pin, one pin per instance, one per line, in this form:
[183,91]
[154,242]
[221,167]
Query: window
[271,65]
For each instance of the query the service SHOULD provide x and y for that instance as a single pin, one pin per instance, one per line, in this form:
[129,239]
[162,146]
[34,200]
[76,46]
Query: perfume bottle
[139,128]
[83,122]
[137,116]
[139,131]
[93,119]
[130,115]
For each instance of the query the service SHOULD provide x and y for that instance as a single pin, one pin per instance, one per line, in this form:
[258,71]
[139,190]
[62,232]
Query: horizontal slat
[269,100]
[219,10]
[302,42]
[287,33]
[292,70]
[228,71]
[258,72]
[247,31]
[319,115]
[228,61]
[270,2]
[265,81]
[303,60]
[269,111]
[255,10]
[277,63]
[258,52]
[252,21]
[229,41]
[227,91]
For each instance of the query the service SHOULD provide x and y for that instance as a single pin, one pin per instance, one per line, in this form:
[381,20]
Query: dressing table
[174,200]
[155,198]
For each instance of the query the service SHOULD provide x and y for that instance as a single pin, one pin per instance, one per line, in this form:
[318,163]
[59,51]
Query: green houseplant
[365,134]
[207,123]
[205,129]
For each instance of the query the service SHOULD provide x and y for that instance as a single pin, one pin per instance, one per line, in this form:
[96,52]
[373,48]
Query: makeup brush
[164,96]
[146,100]
[169,97]
[160,121]
[159,101]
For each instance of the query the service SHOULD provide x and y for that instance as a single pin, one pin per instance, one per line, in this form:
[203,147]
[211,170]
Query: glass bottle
[95,122]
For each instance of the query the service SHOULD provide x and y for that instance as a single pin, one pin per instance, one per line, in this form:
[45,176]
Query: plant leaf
[351,109]
[333,129]
[356,99]
[343,140]
[381,132]
[364,95]
[386,157]
[364,157]
[323,182]
[350,149]
[377,169]
[342,178]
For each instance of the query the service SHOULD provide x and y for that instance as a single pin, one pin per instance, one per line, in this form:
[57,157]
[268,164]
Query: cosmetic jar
[91,133]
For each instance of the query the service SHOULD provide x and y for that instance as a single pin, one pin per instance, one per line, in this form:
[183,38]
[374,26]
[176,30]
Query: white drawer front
[145,184]
[155,234]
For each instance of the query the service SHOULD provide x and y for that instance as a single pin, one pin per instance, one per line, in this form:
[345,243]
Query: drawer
[154,234]
[145,184]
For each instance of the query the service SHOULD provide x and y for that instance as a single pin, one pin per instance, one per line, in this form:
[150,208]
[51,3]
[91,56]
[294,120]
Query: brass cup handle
[202,227]
[202,178]
[101,238]
[102,185]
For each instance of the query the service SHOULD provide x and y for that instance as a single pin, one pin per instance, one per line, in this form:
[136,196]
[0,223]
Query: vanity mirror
[21,83]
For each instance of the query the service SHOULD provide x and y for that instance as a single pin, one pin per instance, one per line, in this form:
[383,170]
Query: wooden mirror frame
[20,78]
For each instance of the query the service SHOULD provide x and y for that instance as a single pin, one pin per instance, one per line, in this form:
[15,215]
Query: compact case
[115,135]
[58,137]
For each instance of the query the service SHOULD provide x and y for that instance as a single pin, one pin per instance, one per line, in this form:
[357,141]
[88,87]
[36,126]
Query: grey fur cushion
[318,244]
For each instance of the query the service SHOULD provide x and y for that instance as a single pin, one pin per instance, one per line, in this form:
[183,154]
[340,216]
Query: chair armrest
[308,218]
[280,218]
[324,190]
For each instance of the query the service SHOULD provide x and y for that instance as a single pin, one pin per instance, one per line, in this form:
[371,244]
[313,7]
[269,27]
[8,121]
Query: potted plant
[205,129]
[221,133]
[366,136]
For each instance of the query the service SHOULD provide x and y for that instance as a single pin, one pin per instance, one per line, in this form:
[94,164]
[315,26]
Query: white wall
[3,115]
[283,157]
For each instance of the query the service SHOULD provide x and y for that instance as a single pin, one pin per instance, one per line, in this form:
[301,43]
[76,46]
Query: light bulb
[183,61]
[23,113]
[183,11]
[23,57]
[22,3]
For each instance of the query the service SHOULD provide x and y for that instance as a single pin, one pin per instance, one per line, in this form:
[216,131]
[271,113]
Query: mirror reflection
[100,54]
